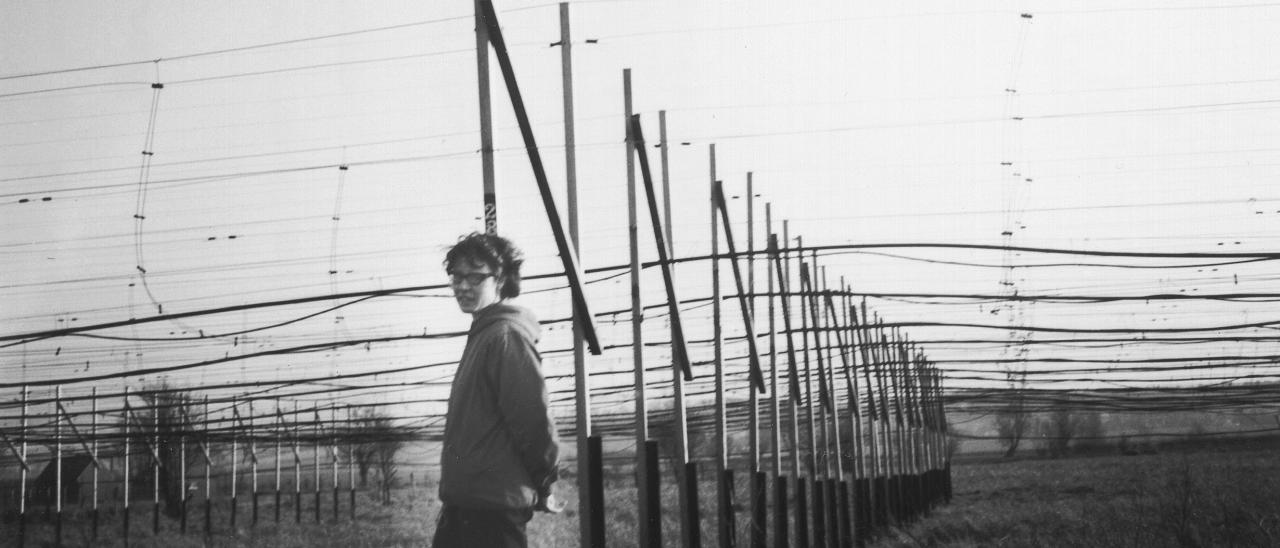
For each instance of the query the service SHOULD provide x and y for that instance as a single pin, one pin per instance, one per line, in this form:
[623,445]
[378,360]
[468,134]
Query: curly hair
[502,256]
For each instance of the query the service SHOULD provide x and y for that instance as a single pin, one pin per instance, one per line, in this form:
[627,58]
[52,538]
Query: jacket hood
[518,316]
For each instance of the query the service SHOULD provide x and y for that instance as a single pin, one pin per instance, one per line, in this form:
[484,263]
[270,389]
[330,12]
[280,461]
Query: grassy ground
[1197,498]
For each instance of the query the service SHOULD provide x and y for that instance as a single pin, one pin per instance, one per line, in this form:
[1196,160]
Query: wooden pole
[486,122]
[817,419]
[155,463]
[582,378]
[316,432]
[637,323]
[57,464]
[780,528]
[208,472]
[333,450]
[690,536]
[253,460]
[235,470]
[838,494]
[753,418]
[568,258]
[724,523]
[297,469]
[351,466]
[125,433]
[797,397]
[279,430]
[182,475]
[759,501]
[94,434]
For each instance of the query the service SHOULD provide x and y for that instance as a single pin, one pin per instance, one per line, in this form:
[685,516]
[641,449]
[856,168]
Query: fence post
[182,473]
[93,429]
[57,463]
[253,460]
[208,477]
[297,470]
[155,463]
[333,418]
[351,464]
[126,459]
[235,472]
[279,428]
[315,454]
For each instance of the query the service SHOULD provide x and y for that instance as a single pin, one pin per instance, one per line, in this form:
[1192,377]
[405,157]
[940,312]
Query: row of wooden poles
[900,466]
[134,439]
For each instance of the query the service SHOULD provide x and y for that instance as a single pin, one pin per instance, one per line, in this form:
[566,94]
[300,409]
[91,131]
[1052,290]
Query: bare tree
[1013,420]
[376,443]
[168,417]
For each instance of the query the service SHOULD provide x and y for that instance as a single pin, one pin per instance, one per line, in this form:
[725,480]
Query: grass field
[1204,497]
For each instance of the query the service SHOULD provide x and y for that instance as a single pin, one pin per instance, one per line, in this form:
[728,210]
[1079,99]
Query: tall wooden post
[817,513]
[208,472]
[486,122]
[253,460]
[316,433]
[759,504]
[297,469]
[690,535]
[646,522]
[94,435]
[57,464]
[582,378]
[837,501]
[182,475]
[333,449]
[351,466]
[279,431]
[155,463]
[125,433]
[780,529]
[797,397]
[235,470]
[724,496]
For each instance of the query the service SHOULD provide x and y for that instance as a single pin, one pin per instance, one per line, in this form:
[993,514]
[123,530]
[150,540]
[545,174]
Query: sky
[1133,126]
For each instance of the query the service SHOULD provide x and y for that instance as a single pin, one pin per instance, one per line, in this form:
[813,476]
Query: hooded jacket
[500,445]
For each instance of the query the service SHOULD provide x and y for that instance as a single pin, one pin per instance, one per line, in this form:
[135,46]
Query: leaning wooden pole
[782,270]
[837,493]
[724,492]
[649,523]
[859,497]
[818,432]
[759,502]
[780,529]
[568,257]
[679,350]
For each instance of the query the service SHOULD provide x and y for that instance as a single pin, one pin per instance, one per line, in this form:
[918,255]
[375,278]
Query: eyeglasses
[472,278]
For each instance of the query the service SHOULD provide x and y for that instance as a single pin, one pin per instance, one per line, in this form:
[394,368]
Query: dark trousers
[471,528]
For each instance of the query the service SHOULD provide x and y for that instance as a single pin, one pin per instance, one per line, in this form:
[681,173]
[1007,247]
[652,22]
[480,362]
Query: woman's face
[475,286]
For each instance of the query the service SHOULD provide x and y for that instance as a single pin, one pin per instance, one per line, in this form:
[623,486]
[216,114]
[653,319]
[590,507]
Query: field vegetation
[1206,495]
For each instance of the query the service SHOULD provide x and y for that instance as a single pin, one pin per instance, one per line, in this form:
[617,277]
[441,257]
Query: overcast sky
[1122,126]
